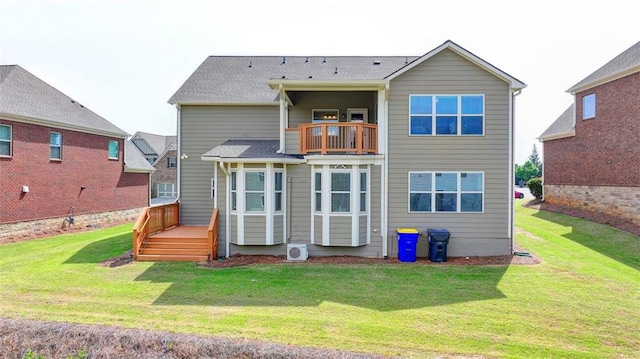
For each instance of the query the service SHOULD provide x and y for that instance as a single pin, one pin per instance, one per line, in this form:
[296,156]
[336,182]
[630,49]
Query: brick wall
[617,201]
[605,150]
[164,173]
[55,186]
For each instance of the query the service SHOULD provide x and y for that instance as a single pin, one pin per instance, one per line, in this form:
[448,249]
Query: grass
[580,302]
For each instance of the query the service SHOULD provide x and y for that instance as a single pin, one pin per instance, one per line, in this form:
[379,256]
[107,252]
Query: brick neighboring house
[59,158]
[160,151]
[592,151]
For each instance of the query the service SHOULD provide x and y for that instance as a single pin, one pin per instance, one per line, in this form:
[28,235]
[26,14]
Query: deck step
[174,251]
[177,244]
[173,257]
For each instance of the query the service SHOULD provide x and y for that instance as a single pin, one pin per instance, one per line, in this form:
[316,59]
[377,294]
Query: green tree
[535,159]
[526,171]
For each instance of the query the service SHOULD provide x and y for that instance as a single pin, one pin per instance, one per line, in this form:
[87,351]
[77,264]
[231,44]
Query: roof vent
[250,64]
[376,62]
[310,76]
[406,60]
[335,72]
[324,59]
[283,76]
[307,59]
[284,60]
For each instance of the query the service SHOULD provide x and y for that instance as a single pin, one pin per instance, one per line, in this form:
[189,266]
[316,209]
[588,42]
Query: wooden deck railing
[339,137]
[212,233]
[154,219]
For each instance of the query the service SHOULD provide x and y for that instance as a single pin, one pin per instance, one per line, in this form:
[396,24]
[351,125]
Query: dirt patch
[123,259]
[598,217]
[66,340]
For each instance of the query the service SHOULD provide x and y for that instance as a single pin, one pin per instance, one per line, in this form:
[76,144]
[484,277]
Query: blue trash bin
[407,243]
[438,241]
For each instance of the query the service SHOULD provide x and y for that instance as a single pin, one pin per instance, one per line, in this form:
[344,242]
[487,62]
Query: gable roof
[626,63]
[157,143]
[247,79]
[563,126]
[27,98]
[134,161]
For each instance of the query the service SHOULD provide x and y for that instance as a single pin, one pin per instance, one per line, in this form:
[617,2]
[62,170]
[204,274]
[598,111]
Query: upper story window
[55,144]
[589,106]
[453,115]
[5,141]
[171,162]
[446,191]
[113,149]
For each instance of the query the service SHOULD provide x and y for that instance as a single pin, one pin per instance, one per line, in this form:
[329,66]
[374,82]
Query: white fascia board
[326,85]
[274,103]
[128,169]
[514,83]
[557,136]
[575,89]
[345,160]
[253,160]
[62,126]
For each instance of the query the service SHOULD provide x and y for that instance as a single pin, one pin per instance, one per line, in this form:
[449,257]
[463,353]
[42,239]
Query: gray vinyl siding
[362,230]
[305,102]
[317,230]
[471,233]
[255,229]
[292,142]
[278,229]
[340,230]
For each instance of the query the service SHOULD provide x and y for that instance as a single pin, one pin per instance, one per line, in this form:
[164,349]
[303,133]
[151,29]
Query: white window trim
[117,149]
[164,184]
[264,191]
[459,115]
[350,192]
[57,146]
[281,191]
[169,162]
[232,191]
[584,98]
[433,192]
[10,140]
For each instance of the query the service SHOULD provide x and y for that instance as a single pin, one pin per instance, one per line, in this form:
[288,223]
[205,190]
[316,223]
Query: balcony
[338,138]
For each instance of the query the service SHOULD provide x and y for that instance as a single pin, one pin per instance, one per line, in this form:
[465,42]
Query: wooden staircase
[158,236]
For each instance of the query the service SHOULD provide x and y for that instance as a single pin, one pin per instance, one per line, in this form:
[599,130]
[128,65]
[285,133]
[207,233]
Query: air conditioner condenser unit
[297,252]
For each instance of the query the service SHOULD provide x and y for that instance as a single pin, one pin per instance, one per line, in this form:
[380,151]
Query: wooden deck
[182,243]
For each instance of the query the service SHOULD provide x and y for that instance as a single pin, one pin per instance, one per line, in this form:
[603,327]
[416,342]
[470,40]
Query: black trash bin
[438,241]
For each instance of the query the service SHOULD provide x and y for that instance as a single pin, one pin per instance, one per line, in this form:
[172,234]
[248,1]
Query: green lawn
[582,301]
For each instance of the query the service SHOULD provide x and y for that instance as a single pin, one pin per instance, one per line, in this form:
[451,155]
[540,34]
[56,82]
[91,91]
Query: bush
[535,186]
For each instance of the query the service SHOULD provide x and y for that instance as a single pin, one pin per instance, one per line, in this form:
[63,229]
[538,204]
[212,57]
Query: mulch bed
[598,217]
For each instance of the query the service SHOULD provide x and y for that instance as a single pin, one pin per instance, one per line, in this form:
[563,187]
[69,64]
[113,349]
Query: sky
[124,59]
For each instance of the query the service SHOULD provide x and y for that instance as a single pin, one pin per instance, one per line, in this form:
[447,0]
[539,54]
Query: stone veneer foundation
[616,201]
[53,226]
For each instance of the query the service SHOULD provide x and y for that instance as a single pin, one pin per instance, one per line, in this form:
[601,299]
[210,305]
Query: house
[59,161]
[160,151]
[331,155]
[591,151]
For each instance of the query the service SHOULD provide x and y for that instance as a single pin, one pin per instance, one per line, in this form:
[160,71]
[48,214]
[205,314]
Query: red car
[518,195]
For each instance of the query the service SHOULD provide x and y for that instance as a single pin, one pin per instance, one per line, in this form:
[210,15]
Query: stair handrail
[212,234]
[140,231]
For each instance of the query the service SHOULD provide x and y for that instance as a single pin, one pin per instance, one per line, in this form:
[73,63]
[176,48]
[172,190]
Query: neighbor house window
[461,115]
[589,106]
[340,192]
[171,162]
[446,191]
[166,189]
[278,191]
[113,149]
[55,144]
[5,141]
[254,191]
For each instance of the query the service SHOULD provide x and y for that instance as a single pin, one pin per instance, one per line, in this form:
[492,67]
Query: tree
[535,159]
[527,171]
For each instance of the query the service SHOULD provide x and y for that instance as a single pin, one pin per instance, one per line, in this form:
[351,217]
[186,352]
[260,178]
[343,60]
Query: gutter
[178,152]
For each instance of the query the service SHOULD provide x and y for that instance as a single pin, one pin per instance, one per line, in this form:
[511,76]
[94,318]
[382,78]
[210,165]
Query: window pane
[363,181]
[363,202]
[55,152]
[55,139]
[255,202]
[420,182]
[589,106]
[254,181]
[5,133]
[340,182]
[113,149]
[471,125]
[233,181]
[318,181]
[340,202]
[278,181]
[420,202]
[233,201]
[5,148]
[471,202]
[446,202]
[471,181]
[446,125]
[472,105]
[420,125]
[318,202]
[446,182]
[278,202]
[447,105]
[420,105]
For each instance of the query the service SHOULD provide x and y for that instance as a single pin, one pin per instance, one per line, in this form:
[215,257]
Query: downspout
[282,120]
[227,215]
[179,152]
[385,175]
[511,226]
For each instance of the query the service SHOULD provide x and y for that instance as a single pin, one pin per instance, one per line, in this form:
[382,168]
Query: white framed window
[5,141]
[317,191]
[446,115]
[113,149]
[446,192]
[234,191]
[166,189]
[589,106]
[277,190]
[254,191]
[358,115]
[171,162]
[340,192]
[363,191]
[55,145]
